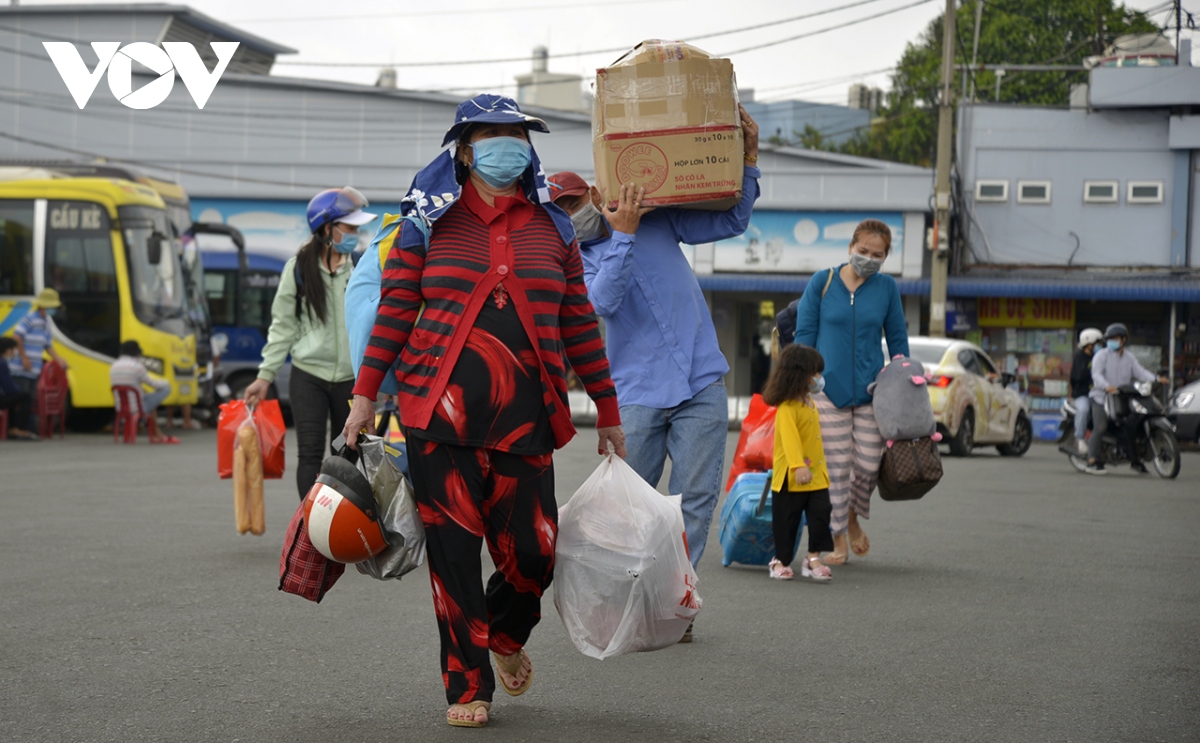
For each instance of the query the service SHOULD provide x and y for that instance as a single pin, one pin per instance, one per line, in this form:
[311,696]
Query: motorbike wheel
[1166,454]
[1078,462]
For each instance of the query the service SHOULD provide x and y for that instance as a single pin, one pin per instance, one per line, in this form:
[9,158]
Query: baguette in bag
[248,508]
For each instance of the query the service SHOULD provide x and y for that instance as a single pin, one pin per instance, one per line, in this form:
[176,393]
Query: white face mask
[589,223]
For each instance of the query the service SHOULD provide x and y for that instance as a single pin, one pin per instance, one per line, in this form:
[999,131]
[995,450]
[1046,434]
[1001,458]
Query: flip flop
[859,544]
[165,440]
[470,722]
[503,666]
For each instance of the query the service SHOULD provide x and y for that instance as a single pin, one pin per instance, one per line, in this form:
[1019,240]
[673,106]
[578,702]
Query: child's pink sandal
[814,569]
[779,571]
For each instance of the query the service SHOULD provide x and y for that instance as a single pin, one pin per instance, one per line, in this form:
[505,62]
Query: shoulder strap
[828,281]
[299,287]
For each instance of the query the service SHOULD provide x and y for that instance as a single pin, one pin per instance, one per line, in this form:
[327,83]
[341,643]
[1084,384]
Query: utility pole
[975,44]
[941,220]
[1178,25]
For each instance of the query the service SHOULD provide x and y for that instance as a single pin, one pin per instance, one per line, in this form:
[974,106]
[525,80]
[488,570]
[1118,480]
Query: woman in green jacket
[308,321]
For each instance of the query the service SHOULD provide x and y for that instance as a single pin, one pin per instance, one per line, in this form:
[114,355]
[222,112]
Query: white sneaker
[1082,445]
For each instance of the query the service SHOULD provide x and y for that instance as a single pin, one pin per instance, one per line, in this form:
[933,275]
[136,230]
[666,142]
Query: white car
[971,400]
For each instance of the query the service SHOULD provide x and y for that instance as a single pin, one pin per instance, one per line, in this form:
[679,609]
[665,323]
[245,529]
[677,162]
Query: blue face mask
[346,244]
[50,311]
[1114,345]
[817,385]
[500,161]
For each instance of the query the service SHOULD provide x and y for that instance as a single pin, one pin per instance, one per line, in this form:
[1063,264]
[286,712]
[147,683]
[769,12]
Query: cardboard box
[666,117]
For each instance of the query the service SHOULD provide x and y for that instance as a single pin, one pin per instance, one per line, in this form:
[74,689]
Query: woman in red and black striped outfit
[483,387]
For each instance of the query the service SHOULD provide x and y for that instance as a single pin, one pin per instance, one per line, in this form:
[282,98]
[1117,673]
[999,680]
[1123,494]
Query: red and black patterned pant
[466,494]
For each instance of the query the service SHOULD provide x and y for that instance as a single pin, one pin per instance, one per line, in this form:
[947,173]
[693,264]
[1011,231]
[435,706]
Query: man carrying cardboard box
[662,345]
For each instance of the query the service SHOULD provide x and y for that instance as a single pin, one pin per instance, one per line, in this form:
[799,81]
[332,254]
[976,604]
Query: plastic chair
[52,400]
[3,424]
[127,401]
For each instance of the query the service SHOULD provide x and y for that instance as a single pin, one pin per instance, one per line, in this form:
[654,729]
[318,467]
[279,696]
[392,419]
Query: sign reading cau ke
[172,57]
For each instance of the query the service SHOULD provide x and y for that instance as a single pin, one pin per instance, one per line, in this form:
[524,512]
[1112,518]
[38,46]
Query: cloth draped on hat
[434,190]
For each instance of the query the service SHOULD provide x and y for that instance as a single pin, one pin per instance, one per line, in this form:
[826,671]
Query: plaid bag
[910,469]
[302,569]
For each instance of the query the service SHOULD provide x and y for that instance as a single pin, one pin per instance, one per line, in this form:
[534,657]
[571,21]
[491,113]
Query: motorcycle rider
[1081,384]
[1112,368]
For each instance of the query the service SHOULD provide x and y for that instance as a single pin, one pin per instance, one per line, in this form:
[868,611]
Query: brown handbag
[910,469]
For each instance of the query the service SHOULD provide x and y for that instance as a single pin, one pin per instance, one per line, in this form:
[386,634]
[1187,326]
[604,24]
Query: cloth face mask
[500,161]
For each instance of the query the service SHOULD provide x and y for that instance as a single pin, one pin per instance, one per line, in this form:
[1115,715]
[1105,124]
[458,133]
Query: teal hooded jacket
[846,328]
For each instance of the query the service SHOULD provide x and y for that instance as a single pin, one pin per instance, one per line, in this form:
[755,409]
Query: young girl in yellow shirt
[801,480]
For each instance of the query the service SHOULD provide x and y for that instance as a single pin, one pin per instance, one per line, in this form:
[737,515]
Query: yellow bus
[105,245]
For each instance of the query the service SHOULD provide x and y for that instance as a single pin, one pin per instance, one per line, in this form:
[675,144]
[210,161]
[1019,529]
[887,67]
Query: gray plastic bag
[400,519]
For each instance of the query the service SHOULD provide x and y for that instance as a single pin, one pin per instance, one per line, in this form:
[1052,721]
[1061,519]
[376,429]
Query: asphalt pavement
[1019,601]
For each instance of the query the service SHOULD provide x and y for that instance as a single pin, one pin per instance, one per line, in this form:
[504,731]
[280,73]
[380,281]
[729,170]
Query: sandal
[840,554]
[859,544]
[814,569]
[779,571]
[469,722]
[165,440]
[511,666]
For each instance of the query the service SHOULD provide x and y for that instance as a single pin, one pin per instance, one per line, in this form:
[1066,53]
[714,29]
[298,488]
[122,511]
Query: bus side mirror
[154,248]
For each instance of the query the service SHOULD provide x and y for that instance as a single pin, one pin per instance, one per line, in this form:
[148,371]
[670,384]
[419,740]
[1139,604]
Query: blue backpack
[363,291]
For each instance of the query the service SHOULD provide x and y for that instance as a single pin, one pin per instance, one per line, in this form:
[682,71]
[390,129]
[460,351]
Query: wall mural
[802,242]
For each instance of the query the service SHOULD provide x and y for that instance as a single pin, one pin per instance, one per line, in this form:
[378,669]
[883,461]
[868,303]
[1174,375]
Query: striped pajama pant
[853,451]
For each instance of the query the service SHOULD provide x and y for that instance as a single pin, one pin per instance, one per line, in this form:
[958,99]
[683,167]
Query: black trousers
[18,407]
[29,422]
[1126,434]
[319,411]
[786,510]
[466,496]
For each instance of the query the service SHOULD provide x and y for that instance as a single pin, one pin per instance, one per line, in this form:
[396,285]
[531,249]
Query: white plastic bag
[623,582]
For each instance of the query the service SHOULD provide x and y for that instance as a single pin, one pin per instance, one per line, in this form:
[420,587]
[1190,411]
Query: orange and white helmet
[341,515]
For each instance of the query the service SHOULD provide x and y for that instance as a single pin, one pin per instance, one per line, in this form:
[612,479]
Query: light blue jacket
[846,329]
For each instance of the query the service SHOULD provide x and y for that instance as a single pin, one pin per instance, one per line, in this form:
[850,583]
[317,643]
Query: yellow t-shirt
[798,444]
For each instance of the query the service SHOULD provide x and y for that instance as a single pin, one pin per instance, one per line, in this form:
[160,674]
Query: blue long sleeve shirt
[846,329]
[662,346]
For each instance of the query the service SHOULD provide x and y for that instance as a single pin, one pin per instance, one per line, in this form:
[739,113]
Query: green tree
[1012,31]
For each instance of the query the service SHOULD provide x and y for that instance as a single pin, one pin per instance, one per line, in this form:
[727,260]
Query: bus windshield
[158,292]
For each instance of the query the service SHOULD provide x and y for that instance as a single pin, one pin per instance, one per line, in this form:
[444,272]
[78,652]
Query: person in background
[308,321]
[1113,368]
[12,398]
[666,361]
[1081,385]
[842,313]
[801,480]
[33,336]
[129,371]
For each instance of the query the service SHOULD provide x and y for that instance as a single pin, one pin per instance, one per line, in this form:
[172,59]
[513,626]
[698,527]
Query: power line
[157,166]
[427,13]
[613,50]
[825,30]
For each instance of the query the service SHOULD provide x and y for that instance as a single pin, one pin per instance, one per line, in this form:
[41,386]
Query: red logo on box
[644,164]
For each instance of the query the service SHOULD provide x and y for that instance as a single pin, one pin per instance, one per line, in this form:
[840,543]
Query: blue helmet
[338,205]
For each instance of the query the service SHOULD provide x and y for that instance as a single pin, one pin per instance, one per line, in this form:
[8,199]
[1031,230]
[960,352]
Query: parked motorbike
[1133,412]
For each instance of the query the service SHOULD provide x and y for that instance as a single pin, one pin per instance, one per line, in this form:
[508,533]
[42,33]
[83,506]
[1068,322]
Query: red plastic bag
[303,570]
[755,450]
[268,418]
[268,421]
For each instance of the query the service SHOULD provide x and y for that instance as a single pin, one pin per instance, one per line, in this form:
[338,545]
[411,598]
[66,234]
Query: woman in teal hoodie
[842,314]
